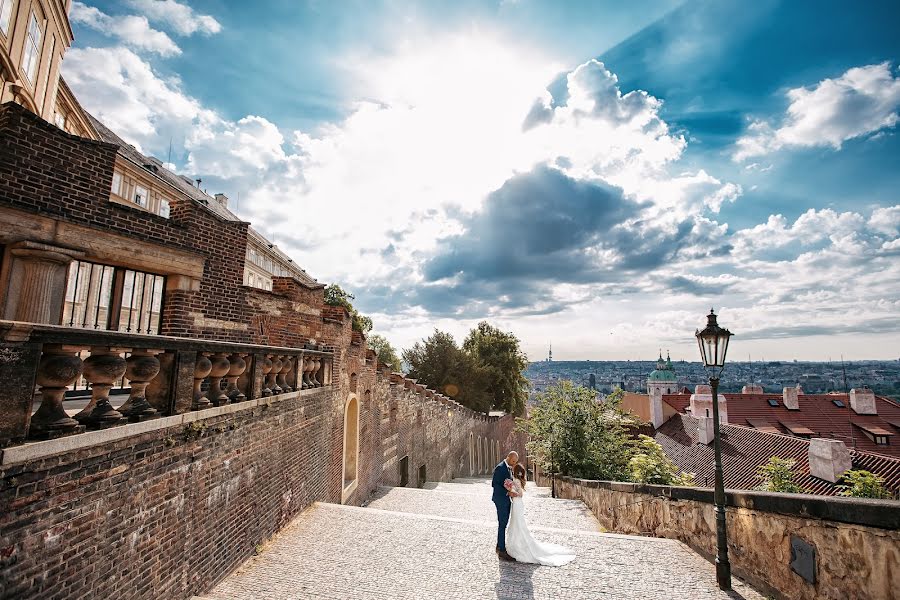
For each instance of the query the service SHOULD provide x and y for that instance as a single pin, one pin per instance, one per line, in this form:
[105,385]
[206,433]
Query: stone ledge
[883,514]
[38,450]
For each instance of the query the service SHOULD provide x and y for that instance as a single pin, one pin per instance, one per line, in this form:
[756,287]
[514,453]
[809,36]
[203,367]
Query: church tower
[661,380]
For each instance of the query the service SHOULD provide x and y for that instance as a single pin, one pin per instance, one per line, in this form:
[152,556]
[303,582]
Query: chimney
[828,459]
[222,199]
[863,401]
[752,388]
[701,403]
[705,430]
[789,397]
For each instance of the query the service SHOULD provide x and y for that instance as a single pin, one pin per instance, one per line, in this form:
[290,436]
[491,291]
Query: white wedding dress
[522,546]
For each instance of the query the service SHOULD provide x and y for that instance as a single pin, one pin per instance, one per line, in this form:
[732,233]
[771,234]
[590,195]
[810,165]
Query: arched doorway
[351,446]
[471,454]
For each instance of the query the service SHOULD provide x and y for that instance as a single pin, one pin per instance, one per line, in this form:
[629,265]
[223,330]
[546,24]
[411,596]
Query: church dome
[664,371]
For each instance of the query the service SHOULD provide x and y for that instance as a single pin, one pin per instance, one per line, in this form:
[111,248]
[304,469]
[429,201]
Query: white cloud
[180,17]
[133,31]
[862,101]
[119,88]
[364,200]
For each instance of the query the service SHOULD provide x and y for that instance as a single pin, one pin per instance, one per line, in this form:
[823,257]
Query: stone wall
[168,507]
[856,542]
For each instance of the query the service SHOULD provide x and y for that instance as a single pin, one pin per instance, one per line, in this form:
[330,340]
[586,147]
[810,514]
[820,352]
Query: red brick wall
[48,171]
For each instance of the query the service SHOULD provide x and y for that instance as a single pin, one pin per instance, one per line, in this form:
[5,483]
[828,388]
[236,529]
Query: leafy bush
[863,484]
[649,464]
[777,475]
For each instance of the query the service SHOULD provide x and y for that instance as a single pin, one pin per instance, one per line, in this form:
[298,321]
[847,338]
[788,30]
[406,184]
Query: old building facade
[173,389]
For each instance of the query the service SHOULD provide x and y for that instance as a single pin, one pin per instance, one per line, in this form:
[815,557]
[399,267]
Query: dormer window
[773,402]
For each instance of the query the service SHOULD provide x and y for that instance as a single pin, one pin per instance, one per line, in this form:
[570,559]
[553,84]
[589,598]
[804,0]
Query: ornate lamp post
[713,342]
[552,463]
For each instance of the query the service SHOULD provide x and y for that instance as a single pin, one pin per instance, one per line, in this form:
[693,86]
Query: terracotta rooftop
[818,416]
[745,449]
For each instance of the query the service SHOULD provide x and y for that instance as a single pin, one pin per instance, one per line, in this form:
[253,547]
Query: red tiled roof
[817,413]
[745,449]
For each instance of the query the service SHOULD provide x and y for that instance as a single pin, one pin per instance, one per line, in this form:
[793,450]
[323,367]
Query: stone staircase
[438,542]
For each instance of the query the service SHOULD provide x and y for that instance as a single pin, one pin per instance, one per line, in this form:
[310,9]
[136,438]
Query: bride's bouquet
[508,484]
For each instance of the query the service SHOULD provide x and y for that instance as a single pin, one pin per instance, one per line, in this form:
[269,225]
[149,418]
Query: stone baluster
[317,366]
[308,366]
[276,370]
[140,369]
[58,368]
[102,369]
[266,369]
[287,364]
[220,368]
[238,366]
[201,369]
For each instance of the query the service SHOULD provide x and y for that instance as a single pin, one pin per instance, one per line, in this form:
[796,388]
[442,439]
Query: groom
[501,500]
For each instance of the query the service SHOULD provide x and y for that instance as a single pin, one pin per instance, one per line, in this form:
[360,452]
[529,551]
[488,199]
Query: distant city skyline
[583,172]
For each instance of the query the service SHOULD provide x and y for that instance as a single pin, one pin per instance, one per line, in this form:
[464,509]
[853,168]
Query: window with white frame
[140,196]
[32,55]
[117,183]
[164,208]
[5,15]
[60,120]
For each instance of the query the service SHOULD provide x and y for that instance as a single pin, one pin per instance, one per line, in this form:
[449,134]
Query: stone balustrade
[162,376]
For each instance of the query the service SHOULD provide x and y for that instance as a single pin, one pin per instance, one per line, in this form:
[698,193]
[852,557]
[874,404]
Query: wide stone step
[337,552]
[539,511]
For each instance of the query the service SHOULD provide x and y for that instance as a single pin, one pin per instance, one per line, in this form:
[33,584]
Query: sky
[596,175]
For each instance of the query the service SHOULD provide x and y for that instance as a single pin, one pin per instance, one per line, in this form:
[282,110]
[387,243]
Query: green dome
[664,370]
[663,375]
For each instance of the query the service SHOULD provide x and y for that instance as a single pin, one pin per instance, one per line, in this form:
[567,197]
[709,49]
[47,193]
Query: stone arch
[471,453]
[354,381]
[350,468]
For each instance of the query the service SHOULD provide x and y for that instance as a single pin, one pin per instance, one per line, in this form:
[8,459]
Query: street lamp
[713,342]
[552,463]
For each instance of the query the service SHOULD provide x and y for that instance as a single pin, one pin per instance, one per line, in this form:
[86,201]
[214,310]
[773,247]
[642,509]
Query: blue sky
[589,173]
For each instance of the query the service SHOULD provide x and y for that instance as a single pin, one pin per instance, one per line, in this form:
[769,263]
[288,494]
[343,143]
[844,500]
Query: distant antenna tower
[550,353]
[844,369]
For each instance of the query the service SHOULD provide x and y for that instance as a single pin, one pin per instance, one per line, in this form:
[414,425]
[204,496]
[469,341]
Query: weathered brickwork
[46,171]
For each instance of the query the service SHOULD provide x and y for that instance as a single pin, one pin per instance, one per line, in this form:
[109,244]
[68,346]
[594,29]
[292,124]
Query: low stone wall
[166,508]
[856,542]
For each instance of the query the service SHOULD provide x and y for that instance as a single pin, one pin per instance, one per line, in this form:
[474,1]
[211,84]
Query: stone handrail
[166,376]
[788,545]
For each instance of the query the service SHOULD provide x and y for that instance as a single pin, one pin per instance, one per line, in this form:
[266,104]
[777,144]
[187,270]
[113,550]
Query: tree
[335,295]
[574,434]
[386,353]
[777,475]
[863,484]
[649,464]
[440,364]
[498,352]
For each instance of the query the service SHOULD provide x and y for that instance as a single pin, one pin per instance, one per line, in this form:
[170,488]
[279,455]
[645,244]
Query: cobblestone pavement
[402,550]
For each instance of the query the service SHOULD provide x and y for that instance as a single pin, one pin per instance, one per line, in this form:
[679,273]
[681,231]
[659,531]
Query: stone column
[102,369]
[59,367]
[237,367]
[220,368]
[140,369]
[37,282]
[287,363]
[266,368]
[202,367]
[276,369]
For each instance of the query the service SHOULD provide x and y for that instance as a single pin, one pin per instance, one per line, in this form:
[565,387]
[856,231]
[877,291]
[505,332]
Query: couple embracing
[514,541]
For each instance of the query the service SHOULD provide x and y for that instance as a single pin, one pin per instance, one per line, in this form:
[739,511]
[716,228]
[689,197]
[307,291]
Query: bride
[519,542]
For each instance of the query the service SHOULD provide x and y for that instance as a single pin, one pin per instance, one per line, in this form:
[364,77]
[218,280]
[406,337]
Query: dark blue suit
[501,500]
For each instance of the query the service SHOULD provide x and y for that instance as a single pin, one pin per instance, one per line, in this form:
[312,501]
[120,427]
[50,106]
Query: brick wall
[169,513]
[47,171]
